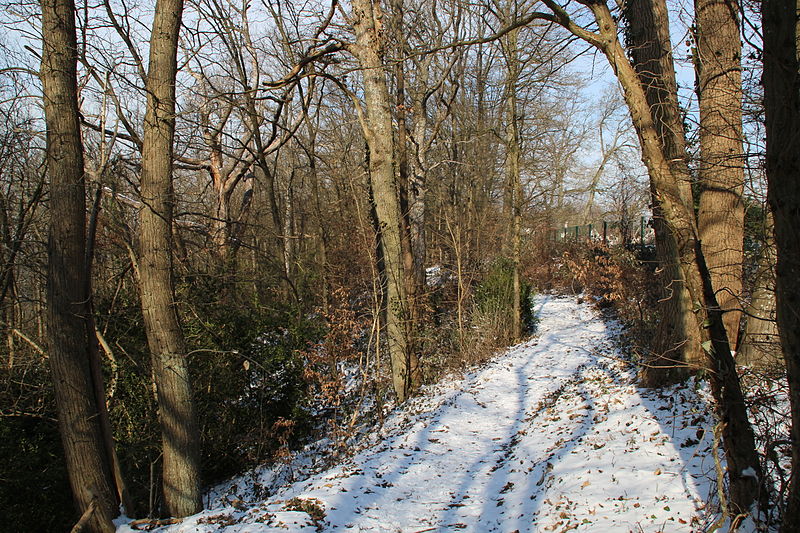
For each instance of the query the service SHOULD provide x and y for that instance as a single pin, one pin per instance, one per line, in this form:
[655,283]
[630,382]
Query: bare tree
[611,134]
[678,340]
[431,97]
[368,49]
[721,166]
[67,309]
[164,335]
[781,80]
[513,196]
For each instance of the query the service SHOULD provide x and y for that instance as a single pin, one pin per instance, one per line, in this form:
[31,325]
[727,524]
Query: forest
[231,228]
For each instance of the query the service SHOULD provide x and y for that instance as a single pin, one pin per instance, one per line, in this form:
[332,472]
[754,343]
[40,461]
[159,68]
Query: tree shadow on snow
[504,477]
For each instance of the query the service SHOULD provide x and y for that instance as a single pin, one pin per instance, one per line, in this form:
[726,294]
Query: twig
[27,339]
[112,387]
[720,478]
[85,517]
[150,523]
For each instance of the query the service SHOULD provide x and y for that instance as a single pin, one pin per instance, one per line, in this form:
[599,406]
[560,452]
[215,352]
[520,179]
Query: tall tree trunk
[422,139]
[782,105]
[322,237]
[419,190]
[78,412]
[164,335]
[368,50]
[513,178]
[403,185]
[721,215]
[678,340]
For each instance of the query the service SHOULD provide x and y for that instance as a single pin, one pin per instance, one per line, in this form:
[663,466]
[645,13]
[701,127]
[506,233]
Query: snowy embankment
[553,435]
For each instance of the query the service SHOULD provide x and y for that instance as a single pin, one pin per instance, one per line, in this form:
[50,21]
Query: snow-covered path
[551,436]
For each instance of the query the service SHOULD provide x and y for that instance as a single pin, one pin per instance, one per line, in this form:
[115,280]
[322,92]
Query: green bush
[248,376]
[494,300]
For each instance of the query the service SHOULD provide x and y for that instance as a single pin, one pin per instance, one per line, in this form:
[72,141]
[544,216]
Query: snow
[552,435]
[749,472]
[436,276]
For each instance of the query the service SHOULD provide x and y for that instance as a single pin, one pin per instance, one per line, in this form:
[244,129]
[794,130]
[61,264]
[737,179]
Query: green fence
[608,233]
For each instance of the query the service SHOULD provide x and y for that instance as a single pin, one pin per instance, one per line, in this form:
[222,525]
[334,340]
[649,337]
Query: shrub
[248,376]
[492,315]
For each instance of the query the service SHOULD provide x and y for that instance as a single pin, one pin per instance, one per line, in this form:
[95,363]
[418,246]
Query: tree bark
[759,345]
[677,341]
[782,105]
[368,50]
[513,178]
[419,190]
[164,336]
[403,184]
[78,413]
[721,171]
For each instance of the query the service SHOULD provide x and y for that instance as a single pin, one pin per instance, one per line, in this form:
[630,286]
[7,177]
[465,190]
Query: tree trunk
[220,224]
[677,340]
[721,214]
[403,185]
[513,179]
[419,189]
[368,50]
[782,105]
[79,424]
[760,345]
[164,335]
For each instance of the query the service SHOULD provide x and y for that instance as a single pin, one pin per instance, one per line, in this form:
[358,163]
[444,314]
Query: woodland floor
[552,435]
